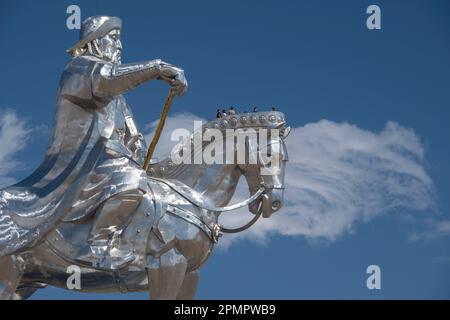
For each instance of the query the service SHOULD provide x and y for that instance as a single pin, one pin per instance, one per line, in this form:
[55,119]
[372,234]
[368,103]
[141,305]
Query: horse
[179,230]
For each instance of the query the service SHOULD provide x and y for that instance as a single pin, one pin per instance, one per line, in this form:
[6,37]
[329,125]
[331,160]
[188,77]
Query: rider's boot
[108,253]
[120,252]
[94,252]
[105,248]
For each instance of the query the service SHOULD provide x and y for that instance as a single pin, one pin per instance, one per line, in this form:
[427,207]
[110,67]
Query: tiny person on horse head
[93,167]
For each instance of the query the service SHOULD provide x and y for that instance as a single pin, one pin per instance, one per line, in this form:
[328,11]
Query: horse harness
[211,229]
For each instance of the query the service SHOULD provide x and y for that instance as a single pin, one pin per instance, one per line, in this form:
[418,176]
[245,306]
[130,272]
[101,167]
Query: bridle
[245,226]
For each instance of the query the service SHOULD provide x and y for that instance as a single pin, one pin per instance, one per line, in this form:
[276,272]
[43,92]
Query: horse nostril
[276,205]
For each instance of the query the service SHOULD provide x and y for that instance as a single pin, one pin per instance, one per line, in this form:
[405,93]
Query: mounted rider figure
[93,166]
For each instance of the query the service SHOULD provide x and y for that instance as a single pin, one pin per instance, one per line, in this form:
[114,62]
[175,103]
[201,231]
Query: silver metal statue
[90,203]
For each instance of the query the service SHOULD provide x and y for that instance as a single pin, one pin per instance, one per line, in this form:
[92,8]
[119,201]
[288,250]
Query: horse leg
[10,276]
[189,286]
[166,274]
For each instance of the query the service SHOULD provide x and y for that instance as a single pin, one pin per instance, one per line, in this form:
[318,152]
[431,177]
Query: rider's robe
[96,152]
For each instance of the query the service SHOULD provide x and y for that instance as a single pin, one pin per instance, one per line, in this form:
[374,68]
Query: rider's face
[111,46]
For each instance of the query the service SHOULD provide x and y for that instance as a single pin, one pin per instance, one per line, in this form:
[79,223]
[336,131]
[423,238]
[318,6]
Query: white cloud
[338,174]
[14,135]
[435,229]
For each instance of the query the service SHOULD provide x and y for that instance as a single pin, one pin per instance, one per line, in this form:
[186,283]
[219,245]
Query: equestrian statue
[98,202]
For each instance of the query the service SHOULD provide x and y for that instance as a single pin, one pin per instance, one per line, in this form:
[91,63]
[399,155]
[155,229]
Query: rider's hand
[175,77]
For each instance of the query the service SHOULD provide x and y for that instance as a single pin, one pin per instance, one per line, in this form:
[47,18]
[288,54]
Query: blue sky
[316,60]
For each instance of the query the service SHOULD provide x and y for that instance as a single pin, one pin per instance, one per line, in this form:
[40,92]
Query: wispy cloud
[434,229]
[14,134]
[338,174]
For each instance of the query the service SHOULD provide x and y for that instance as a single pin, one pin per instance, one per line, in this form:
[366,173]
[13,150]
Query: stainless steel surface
[90,203]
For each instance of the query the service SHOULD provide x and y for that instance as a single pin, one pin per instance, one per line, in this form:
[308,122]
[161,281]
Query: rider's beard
[116,58]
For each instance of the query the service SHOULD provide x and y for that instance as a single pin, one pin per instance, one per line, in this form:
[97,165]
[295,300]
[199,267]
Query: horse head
[269,168]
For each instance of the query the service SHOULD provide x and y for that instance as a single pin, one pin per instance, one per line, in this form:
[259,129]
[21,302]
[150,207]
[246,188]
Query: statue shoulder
[75,81]
[82,65]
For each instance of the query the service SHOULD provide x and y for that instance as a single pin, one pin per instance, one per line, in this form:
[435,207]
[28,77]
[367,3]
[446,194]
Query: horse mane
[255,120]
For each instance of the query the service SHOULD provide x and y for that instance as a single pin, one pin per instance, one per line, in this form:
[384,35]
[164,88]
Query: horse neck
[216,182]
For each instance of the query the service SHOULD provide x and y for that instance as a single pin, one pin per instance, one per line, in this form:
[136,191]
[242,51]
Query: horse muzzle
[271,201]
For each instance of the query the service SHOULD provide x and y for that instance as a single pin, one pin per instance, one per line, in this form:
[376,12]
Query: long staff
[162,120]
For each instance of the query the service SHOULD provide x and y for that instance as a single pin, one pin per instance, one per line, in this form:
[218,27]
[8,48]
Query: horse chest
[172,232]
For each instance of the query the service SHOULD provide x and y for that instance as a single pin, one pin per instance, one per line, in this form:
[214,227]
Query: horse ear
[279,125]
[285,133]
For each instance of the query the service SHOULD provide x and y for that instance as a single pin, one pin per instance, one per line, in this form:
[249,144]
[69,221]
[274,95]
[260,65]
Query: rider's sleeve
[109,80]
